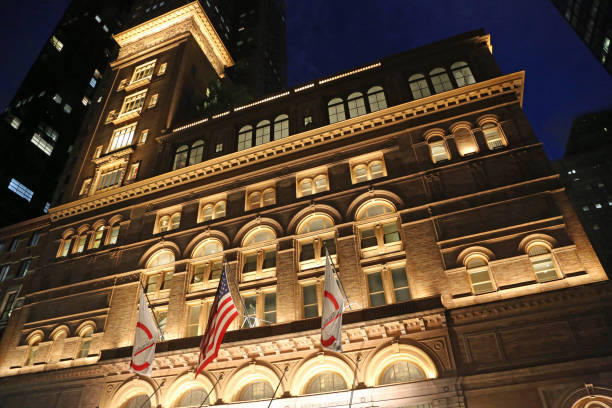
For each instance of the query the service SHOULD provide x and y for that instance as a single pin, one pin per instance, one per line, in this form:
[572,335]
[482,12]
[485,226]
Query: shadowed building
[471,280]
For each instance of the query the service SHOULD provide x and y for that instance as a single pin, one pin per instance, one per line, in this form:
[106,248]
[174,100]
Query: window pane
[198,273]
[167,280]
[330,244]
[326,382]
[360,173]
[310,301]
[270,307]
[400,284]
[307,252]
[162,317]
[375,287]
[356,105]
[376,169]
[216,269]
[250,264]
[368,238]
[194,321]
[390,233]
[402,371]
[269,259]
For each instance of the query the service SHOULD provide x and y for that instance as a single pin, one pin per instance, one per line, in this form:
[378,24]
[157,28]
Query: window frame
[143,68]
[214,203]
[477,269]
[543,256]
[501,137]
[167,215]
[260,313]
[388,284]
[257,194]
[367,162]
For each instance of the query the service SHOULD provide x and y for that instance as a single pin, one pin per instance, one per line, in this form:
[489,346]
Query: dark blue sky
[563,78]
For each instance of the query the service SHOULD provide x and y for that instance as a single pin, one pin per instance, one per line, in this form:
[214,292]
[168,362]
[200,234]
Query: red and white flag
[333,306]
[222,314]
[147,335]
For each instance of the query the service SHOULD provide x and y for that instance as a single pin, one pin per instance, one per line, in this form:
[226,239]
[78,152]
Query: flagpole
[213,387]
[337,277]
[154,392]
[161,332]
[354,378]
[279,383]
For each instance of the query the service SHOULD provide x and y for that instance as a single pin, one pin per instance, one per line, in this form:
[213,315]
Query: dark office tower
[586,172]
[38,128]
[592,21]
[254,33]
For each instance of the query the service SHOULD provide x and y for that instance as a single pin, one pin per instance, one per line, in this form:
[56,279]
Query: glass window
[402,371]
[114,235]
[375,289]
[440,80]
[326,382]
[439,151]
[33,351]
[142,72]
[256,391]
[197,152]
[310,300]
[281,127]
[400,284]
[133,172]
[35,238]
[175,221]
[478,272]
[85,343]
[110,178]
[122,137]
[542,262]
[462,73]
[368,170]
[162,68]
[255,200]
[193,398]
[245,136]
[24,267]
[21,190]
[270,306]
[356,105]
[139,401]
[374,209]
[98,238]
[493,135]
[133,103]
[262,132]
[335,108]
[66,247]
[418,86]
[38,141]
[360,173]
[162,318]
[376,99]
[193,322]
[8,306]
[250,311]
[81,244]
[180,157]
[56,43]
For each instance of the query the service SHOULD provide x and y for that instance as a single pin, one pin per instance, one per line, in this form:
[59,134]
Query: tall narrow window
[133,172]
[114,235]
[81,244]
[97,241]
[245,137]
[262,132]
[462,73]
[33,346]
[542,262]
[376,99]
[478,272]
[196,155]
[375,289]
[438,150]
[180,157]
[356,104]
[440,80]
[281,127]
[310,300]
[418,86]
[493,135]
[193,320]
[335,108]
[24,267]
[66,247]
[7,308]
[86,337]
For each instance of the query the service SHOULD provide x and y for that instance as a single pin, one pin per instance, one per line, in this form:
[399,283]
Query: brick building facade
[471,281]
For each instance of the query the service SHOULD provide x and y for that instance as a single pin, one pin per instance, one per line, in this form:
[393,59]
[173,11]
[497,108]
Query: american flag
[222,314]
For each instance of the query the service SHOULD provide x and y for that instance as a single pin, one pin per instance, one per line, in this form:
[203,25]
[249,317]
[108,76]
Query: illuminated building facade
[458,249]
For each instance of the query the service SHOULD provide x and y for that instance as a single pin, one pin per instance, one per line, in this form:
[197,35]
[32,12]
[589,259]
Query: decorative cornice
[189,18]
[507,84]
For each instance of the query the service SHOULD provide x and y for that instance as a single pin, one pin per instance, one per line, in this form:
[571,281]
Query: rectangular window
[81,244]
[93,82]
[114,234]
[250,311]
[153,100]
[143,72]
[368,238]
[4,271]
[193,320]
[400,284]
[15,123]
[21,190]
[375,289]
[162,318]
[85,187]
[98,152]
[57,98]
[35,238]
[42,144]
[162,68]
[133,103]
[143,136]
[133,171]
[270,307]
[122,84]
[438,151]
[66,247]
[14,244]
[109,179]
[56,43]
[24,267]
[112,115]
[167,282]
[390,233]
[8,306]
[152,283]
[311,303]
[122,137]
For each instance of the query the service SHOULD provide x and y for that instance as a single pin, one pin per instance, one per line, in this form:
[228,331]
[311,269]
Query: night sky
[563,78]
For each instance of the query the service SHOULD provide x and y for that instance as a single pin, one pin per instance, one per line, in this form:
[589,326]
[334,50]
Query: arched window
[464,139]
[175,221]
[356,104]
[32,353]
[138,401]
[312,249]
[65,246]
[542,261]
[262,132]
[245,137]
[402,371]
[208,247]
[493,135]
[260,235]
[164,223]
[114,234]
[269,197]
[196,155]
[335,108]
[440,80]
[326,382]
[160,258]
[193,398]
[97,241]
[477,267]
[438,149]
[368,169]
[281,127]
[160,280]
[380,237]
[86,337]
[259,262]
[212,268]
[254,200]
[219,209]
[462,73]
[376,99]
[180,157]
[418,86]
[207,212]
[308,185]
[256,391]
[374,209]
[81,244]
[169,222]
[376,169]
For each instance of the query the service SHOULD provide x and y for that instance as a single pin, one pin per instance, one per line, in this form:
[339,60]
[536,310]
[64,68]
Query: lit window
[21,190]
[281,127]
[219,147]
[4,270]
[133,103]
[86,337]
[438,149]
[258,198]
[114,235]
[99,235]
[138,401]
[67,108]
[367,169]
[133,172]
[356,104]
[542,261]
[15,122]
[440,80]
[212,210]
[32,353]
[597,205]
[477,267]
[585,208]
[260,309]
[245,136]
[196,155]
[9,304]
[65,247]
[493,135]
[57,98]
[462,73]
[38,141]
[256,391]
[335,108]
[143,72]
[24,267]
[110,178]
[93,82]
[14,244]
[112,115]
[56,43]
[210,269]
[153,100]
[606,45]
[262,132]
[98,18]
[418,86]
[261,261]
[122,137]
[310,301]
[180,157]
[307,120]
[402,371]
[464,139]
[162,68]
[105,28]
[85,187]
[326,382]
[97,74]
[85,101]
[81,244]
[168,222]
[122,84]
[314,185]
[376,99]
[312,249]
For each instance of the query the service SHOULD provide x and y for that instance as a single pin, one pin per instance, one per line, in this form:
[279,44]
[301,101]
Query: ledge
[137,84]
[126,117]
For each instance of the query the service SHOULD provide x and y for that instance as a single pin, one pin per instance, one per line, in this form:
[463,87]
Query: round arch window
[326,382]
[401,371]
[161,257]
[374,209]
[256,391]
[139,401]
[192,398]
